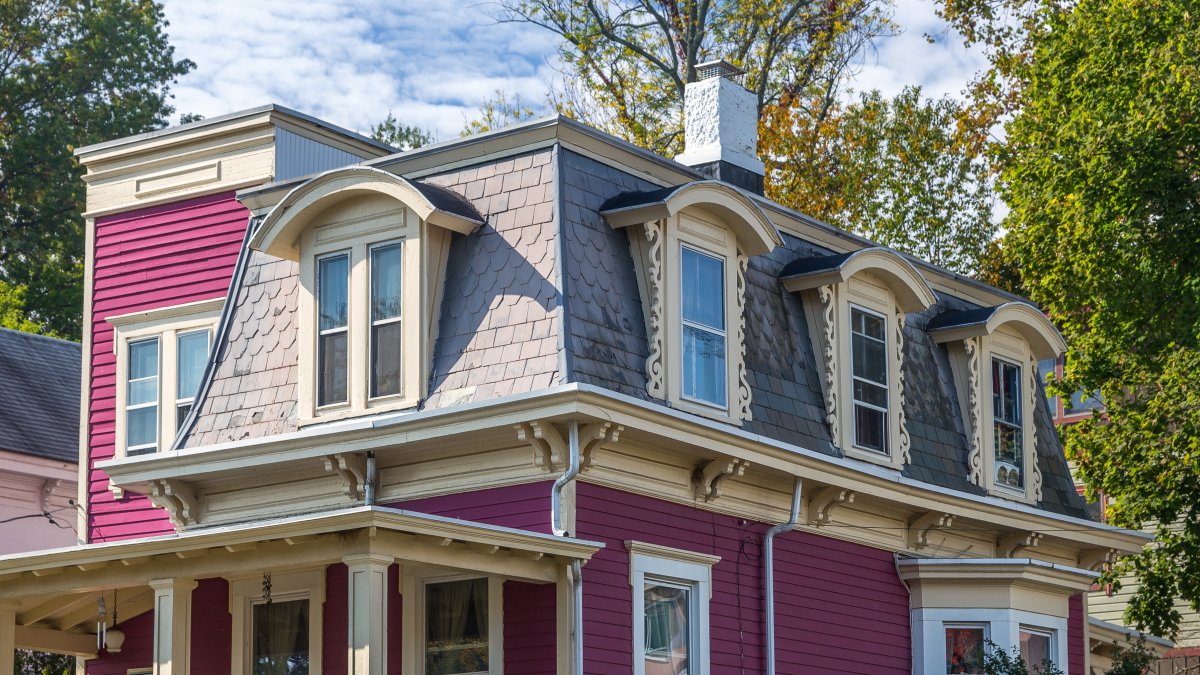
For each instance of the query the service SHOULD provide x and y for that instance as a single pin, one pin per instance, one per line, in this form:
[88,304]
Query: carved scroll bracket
[829,337]
[903,442]
[178,499]
[352,470]
[743,384]
[975,410]
[921,527]
[708,477]
[1096,559]
[594,435]
[1034,472]
[1011,545]
[549,447]
[822,503]
[655,383]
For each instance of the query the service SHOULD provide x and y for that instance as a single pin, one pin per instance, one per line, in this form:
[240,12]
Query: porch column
[172,625]
[368,605]
[8,636]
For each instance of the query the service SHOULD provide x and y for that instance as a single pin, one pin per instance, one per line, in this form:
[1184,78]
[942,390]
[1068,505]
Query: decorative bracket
[549,447]
[708,477]
[820,507]
[178,499]
[922,526]
[117,491]
[1096,559]
[1011,545]
[594,435]
[352,470]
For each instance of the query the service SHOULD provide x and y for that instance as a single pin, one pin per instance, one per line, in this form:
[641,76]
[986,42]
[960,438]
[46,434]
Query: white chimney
[720,127]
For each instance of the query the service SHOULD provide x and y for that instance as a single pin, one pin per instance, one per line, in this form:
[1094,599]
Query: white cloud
[432,62]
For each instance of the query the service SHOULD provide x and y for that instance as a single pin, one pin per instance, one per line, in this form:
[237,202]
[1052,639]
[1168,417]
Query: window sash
[704,347]
[963,653]
[281,621]
[386,366]
[1008,431]
[667,641]
[188,371]
[140,408]
[333,323]
[461,655]
[861,382]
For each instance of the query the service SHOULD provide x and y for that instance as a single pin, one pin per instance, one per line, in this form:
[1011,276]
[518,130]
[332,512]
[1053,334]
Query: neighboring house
[538,401]
[39,441]
[1107,604]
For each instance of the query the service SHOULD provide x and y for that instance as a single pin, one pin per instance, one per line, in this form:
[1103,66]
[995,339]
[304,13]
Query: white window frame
[413,649]
[166,324]
[684,324]
[246,592]
[343,329]
[1005,345]
[1001,626]
[373,323]
[889,356]
[674,567]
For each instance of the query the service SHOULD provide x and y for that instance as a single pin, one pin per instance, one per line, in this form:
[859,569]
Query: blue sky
[432,62]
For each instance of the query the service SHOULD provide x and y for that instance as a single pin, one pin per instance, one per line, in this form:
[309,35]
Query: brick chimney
[720,127]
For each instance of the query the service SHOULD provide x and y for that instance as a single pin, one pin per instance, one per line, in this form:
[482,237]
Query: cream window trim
[658,251]
[415,579]
[673,567]
[830,308]
[166,324]
[246,592]
[1001,626]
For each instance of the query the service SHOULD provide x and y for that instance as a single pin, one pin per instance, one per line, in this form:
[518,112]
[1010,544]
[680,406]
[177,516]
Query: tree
[997,661]
[498,112]
[627,61]
[908,172]
[43,663]
[401,136]
[1100,170]
[71,73]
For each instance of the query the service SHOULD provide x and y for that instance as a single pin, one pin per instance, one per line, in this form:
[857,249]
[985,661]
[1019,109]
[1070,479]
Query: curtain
[281,638]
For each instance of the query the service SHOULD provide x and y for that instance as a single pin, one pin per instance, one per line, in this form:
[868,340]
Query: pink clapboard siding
[212,627]
[1076,640]
[525,507]
[138,651]
[530,629]
[840,606]
[147,259]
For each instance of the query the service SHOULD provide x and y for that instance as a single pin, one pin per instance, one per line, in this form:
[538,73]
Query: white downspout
[769,572]
[575,574]
[371,480]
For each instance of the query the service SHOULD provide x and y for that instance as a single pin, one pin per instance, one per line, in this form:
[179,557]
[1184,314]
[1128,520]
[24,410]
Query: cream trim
[280,231]
[1044,340]
[413,640]
[912,292]
[681,555]
[151,317]
[83,495]
[674,567]
[247,592]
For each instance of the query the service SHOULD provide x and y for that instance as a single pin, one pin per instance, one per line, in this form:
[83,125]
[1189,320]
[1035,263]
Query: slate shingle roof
[39,395]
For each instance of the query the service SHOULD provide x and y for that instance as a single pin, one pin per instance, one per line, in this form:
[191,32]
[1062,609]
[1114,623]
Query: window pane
[142,427]
[456,627]
[668,636]
[865,392]
[143,359]
[385,359]
[869,359]
[192,355]
[143,391]
[385,282]
[867,324]
[703,289]
[181,412]
[1010,457]
[331,381]
[870,429]
[1007,431]
[332,278]
[281,638]
[1035,649]
[964,650]
[703,365]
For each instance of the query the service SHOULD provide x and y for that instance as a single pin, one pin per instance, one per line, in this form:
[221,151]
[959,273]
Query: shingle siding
[39,395]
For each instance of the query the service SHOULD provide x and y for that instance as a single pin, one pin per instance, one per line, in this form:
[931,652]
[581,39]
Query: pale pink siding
[840,606]
[526,506]
[147,259]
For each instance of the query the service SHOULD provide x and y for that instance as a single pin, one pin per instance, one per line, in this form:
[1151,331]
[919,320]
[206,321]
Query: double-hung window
[277,629]
[333,335]
[280,632]
[191,349]
[1007,425]
[457,624]
[141,397]
[703,330]
[869,377]
[671,590]
[386,337]
[965,645]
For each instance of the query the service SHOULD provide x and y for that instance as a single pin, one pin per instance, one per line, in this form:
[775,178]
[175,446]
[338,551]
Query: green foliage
[498,112]
[1135,660]
[1100,172]
[998,661]
[906,172]
[72,72]
[627,61]
[43,663]
[400,136]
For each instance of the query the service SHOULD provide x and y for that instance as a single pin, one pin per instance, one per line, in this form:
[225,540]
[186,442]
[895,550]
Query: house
[39,441]
[539,401]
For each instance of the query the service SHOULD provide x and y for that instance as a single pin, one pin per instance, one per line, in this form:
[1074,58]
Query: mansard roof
[39,398]
[1043,338]
[912,291]
[545,292]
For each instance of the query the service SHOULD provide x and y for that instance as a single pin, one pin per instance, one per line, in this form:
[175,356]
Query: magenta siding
[138,651]
[525,507]
[832,597]
[147,259]
[212,627]
[335,621]
[529,629]
[1076,640]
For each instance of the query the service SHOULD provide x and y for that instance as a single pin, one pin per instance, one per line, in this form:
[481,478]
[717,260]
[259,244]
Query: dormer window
[994,352]
[856,304]
[691,244]
[372,249]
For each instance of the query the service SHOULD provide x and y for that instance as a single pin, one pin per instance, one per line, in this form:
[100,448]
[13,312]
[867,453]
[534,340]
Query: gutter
[769,572]
[575,572]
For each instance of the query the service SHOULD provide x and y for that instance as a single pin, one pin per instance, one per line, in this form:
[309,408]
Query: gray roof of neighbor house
[39,395]
[545,293]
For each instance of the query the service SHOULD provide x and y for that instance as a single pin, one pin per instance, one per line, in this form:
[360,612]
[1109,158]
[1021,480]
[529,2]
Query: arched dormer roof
[913,293]
[755,233]
[280,231]
[1043,338]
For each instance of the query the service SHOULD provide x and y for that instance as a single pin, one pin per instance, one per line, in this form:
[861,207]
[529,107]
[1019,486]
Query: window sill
[873,457]
[711,412]
[344,413]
